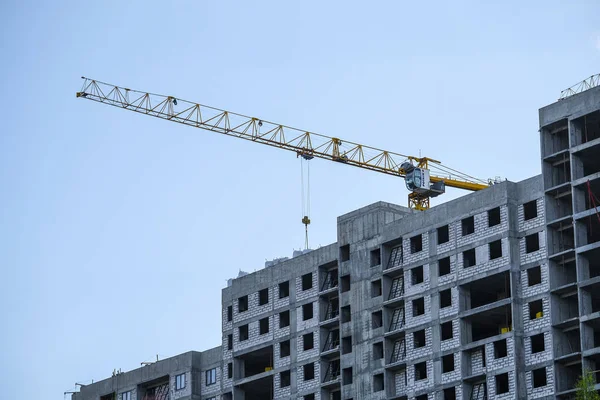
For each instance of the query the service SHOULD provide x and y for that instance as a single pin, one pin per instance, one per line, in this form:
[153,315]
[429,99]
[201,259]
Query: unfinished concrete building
[490,296]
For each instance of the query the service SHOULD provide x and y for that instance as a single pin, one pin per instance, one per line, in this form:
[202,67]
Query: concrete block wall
[308,386]
[537,324]
[213,389]
[483,262]
[542,391]
[301,324]
[542,287]
[302,355]
[420,319]
[413,353]
[409,256]
[409,288]
[493,363]
[282,392]
[452,309]
[542,356]
[178,394]
[453,375]
[454,342]
[400,382]
[416,385]
[491,387]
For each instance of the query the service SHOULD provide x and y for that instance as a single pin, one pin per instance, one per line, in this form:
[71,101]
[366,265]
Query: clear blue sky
[117,231]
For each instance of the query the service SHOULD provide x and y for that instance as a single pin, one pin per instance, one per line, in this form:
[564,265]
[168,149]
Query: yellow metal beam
[303,143]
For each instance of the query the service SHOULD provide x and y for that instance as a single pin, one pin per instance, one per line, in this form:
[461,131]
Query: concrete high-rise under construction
[494,295]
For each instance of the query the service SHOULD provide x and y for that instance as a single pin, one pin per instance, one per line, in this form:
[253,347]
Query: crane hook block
[306,220]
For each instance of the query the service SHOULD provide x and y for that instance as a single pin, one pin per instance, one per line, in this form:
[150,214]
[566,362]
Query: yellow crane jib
[425,177]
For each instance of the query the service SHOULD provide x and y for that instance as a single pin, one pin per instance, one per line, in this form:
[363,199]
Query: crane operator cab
[417,181]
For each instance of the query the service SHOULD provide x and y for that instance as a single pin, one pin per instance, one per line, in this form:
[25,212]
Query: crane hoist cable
[305,194]
[424,176]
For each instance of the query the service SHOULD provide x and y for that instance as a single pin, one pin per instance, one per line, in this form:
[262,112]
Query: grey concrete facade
[570,149]
[489,296]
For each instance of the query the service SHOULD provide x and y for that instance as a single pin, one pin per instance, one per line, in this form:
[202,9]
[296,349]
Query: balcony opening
[418,306]
[587,128]
[416,275]
[502,383]
[447,363]
[332,341]
[565,307]
[446,298]
[331,309]
[416,244]
[559,204]
[443,234]
[376,319]
[398,351]
[263,297]
[110,396]
[375,257]
[490,323]
[495,249]
[537,343]
[332,372]
[530,210]
[500,349]
[446,330]
[560,238]
[591,226]
[569,374]
[260,389]
[377,351]
[444,266]
[257,362]
[157,389]
[534,276]
[493,217]
[345,252]
[486,290]
[468,225]
[419,339]
[469,259]
[396,257]
[555,137]
[397,320]
[330,279]
[397,288]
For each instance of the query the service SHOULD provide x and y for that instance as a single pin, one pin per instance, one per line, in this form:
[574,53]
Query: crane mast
[424,177]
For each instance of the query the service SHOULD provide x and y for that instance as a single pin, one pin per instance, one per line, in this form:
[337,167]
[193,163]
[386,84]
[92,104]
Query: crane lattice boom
[303,143]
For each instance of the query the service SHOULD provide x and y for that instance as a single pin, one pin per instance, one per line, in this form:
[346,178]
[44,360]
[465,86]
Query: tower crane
[424,177]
